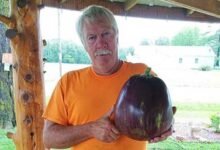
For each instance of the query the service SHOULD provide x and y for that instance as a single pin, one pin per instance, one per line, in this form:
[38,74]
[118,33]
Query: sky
[131,30]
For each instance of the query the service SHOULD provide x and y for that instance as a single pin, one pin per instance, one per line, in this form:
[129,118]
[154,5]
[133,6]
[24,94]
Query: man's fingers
[115,130]
[163,136]
[157,139]
[113,135]
[166,134]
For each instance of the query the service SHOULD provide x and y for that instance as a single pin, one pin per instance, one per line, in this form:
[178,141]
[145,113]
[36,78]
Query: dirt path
[195,132]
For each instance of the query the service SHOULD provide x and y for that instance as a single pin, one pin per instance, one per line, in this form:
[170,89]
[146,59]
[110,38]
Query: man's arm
[60,136]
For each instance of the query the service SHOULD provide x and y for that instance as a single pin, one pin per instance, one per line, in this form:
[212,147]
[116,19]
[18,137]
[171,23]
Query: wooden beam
[7,21]
[63,1]
[208,7]
[144,11]
[28,83]
[190,12]
[130,3]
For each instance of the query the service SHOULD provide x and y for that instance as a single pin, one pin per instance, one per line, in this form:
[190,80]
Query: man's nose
[101,42]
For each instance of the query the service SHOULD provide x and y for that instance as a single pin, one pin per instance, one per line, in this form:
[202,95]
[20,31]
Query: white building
[174,56]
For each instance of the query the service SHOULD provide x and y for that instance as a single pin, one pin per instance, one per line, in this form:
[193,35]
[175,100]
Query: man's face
[101,43]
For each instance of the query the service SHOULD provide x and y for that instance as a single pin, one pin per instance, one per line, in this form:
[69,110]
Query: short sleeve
[56,109]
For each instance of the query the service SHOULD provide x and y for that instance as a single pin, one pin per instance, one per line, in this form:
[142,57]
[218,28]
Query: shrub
[215,122]
[205,68]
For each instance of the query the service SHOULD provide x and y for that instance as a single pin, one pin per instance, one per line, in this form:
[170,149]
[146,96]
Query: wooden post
[23,32]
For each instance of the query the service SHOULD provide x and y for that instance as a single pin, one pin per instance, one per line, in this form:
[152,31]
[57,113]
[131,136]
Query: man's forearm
[59,136]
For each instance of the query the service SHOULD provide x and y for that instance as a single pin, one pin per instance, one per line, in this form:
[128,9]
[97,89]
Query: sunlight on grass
[171,144]
[196,111]
[5,143]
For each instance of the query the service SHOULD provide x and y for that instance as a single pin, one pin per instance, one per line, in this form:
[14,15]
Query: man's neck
[114,69]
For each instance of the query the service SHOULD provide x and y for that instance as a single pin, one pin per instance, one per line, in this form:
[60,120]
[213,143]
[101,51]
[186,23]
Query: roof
[187,10]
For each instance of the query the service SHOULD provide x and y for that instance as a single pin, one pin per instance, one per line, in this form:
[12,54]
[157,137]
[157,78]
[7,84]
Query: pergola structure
[26,44]
[191,10]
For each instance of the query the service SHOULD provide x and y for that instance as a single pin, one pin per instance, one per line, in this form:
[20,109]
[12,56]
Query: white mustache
[103,52]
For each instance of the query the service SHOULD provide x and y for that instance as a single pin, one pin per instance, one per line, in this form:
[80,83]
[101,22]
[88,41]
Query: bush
[6,100]
[205,68]
[215,122]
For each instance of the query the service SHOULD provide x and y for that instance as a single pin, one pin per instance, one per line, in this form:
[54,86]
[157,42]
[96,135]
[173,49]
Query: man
[78,113]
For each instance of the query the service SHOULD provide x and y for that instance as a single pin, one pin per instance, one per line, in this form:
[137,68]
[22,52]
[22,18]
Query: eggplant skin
[143,109]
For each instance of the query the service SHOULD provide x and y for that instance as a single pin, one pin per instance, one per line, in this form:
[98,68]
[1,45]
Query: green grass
[171,144]
[5,143]
[198,106]
[196,110]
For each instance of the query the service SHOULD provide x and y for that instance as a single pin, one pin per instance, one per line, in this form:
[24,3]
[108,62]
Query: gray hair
[92,13]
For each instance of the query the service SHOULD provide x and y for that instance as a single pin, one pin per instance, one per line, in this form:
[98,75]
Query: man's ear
[174,109]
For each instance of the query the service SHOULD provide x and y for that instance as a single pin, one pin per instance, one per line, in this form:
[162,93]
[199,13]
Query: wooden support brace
[62,1]
[130,3]
[208,7]
[7,21]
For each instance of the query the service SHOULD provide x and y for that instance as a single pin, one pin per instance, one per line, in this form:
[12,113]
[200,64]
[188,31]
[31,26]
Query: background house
[191,57]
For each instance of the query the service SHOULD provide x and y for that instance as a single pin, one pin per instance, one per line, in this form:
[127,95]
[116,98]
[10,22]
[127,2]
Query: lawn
[171,144]
[5,143]
[196,111]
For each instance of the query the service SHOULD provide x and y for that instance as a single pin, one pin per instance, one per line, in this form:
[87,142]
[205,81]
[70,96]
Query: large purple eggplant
[143,109]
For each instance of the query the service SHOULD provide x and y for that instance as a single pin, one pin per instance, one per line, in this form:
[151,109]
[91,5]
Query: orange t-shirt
[82,96]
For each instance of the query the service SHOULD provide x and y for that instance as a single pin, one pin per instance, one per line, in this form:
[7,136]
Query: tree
[51,51]
[6,99]
[4,7]
[162,41]
[124,52]
[145,42]
[213,40]
[71,52]
[188,37]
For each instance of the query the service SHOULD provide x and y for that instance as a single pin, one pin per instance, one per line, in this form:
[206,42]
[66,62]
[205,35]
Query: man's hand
[166,134]
[104,130]
[64,136]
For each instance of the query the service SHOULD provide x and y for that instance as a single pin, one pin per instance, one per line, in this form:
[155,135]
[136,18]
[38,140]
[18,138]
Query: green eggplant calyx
[147,72]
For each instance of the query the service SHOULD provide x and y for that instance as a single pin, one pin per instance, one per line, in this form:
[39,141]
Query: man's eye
[105,34]
[91,38]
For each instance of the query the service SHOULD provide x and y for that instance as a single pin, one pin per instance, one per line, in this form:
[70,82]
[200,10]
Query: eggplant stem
[147,72]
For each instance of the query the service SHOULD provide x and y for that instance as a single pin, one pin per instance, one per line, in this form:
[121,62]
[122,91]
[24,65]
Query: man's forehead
[100,19]
[104,24]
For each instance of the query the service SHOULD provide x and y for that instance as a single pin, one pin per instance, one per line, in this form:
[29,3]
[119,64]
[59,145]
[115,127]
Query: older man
[80,107]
